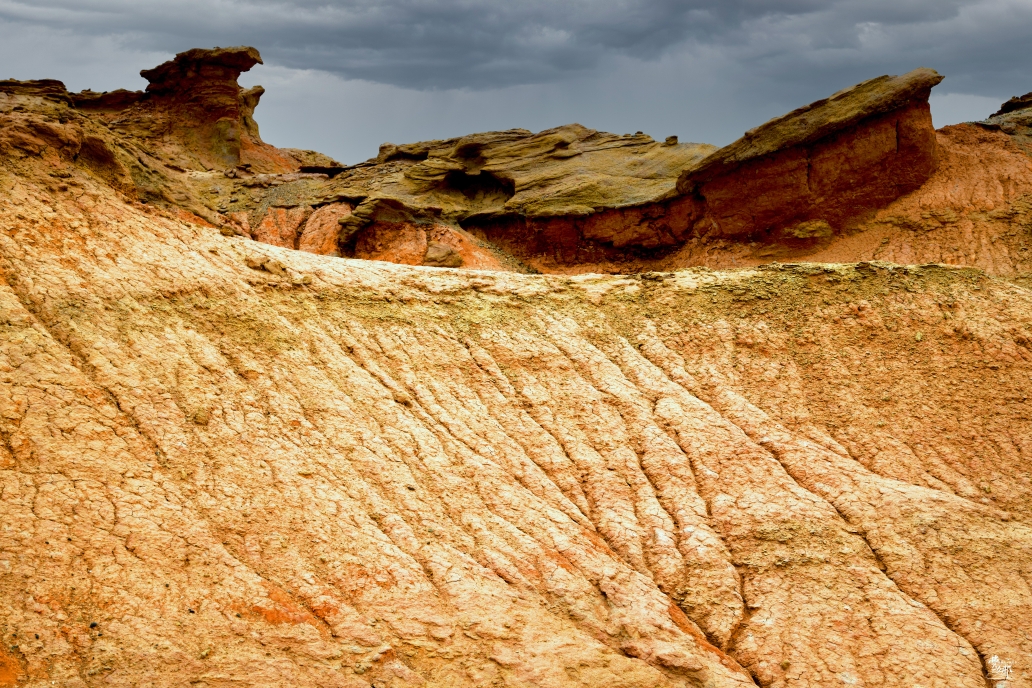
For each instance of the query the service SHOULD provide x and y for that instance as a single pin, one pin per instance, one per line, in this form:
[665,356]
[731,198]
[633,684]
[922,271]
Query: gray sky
[343,76]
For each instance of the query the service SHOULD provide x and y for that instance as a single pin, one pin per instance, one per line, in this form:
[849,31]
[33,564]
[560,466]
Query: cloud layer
[485,44]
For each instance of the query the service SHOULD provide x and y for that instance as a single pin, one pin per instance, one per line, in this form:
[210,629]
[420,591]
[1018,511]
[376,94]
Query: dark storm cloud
[427,44]
[410,43]
[981,45]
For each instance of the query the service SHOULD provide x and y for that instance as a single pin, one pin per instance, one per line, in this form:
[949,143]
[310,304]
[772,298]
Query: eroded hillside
[227,462]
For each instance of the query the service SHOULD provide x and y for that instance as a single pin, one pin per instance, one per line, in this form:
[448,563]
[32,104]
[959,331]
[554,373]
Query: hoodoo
[195,100]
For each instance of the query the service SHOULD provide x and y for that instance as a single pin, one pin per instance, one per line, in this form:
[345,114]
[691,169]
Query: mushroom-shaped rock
[196,98]
[201,65]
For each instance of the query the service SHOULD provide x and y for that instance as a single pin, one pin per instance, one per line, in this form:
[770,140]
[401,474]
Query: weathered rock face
[178,145]
[193,111]
[228,461]
[108,101]
[520,182]
[195,99]
[1015,104]
[50,89]
[322,230]
[568,199]
[573,196]
[976,209]
[1015,119]
[575,200]
[802,178]
[821,168]
[224,461]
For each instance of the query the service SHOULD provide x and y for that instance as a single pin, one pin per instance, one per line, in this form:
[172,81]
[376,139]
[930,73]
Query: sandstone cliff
[821,167]
[226,461]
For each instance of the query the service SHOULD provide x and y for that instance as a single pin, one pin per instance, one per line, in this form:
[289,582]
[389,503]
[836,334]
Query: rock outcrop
[573,196]
[196,101]
[837,180]
[51,89]
[451,187]
[194,114]
[815,171]
[1015,119]
[1014,105]
[976,209]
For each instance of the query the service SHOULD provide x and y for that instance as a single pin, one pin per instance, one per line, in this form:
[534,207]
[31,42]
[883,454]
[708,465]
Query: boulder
[323,228]
[281,226]
[452,247]
[441,256]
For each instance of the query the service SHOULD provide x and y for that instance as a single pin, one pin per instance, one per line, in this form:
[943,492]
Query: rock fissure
[944,620]
[891,572]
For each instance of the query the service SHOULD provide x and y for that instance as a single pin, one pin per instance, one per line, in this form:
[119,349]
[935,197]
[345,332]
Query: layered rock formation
[168,146]
[976,209]
[448,191]
[236,461]
[229,461]
[1015,119]
[872,181]
[575,196]
[816,170]
[835,181]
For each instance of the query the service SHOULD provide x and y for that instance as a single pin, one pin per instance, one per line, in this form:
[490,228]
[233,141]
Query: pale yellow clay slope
[226,463]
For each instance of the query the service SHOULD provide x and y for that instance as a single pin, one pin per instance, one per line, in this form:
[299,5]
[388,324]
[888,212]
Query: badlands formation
[514,409]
